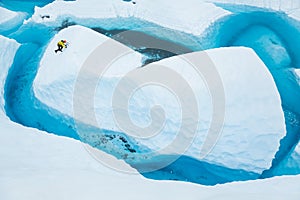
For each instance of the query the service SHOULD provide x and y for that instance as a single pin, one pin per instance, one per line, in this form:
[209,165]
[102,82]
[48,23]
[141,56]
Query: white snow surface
[254,121]
[38,165]
[10,19]
[62,69]
[8,49]
[160,12]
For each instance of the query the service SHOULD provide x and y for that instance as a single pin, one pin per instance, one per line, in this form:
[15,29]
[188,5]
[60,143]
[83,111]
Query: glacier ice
[258,102]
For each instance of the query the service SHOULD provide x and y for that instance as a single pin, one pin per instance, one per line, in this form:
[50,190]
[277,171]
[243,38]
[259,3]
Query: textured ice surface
[253,114]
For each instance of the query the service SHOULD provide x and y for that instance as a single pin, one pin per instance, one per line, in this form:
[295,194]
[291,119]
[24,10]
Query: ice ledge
[163,13]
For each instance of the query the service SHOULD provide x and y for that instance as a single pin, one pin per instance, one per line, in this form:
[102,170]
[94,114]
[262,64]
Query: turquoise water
[23,6]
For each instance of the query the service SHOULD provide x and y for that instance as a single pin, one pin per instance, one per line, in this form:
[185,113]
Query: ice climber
[61,44]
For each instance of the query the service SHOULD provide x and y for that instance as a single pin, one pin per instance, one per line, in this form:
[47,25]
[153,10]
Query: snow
[43,166]
[6,60]
[159,12]
[56,89]
[10,19]
[254,118]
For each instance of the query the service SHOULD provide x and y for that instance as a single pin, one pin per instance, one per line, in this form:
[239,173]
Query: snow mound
[10,19]
[160,12]
[62,68]
[8,50]
[254,121]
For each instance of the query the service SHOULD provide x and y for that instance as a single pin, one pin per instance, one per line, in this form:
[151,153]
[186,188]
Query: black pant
[60,47]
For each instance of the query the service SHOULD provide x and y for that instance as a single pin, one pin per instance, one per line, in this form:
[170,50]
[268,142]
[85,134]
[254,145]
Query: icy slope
[56,89]
[10,19]
[8,49]
[253,116]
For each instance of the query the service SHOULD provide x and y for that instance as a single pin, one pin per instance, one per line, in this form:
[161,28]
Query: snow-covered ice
[253,120]
[37,165]
[160,12]
[60,167]
[62,69]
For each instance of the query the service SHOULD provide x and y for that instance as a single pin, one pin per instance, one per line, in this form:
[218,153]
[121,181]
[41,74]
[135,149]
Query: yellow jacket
[60,43]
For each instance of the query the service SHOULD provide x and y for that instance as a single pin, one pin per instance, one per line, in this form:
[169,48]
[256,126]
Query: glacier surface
[276,49]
